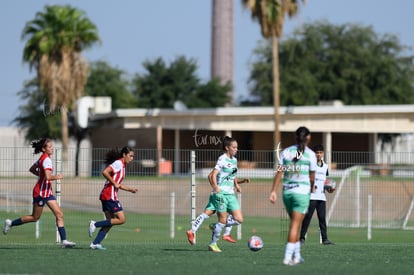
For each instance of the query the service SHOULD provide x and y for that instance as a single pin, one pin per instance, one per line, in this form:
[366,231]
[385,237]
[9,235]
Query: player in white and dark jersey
[318,199]
[297,165]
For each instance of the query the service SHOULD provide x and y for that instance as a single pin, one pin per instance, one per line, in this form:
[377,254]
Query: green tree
[105,80]
[350,62]
[271,16]
[35,116]
[55,39]
[162,85]
[210,94]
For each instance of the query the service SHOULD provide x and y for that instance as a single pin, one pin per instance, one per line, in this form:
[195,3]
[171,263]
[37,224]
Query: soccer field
[150,250]
[181,258]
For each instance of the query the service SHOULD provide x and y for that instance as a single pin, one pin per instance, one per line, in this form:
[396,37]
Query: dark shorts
[111,206]
[39,201]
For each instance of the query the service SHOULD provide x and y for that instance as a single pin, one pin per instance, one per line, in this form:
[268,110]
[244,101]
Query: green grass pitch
[144,246]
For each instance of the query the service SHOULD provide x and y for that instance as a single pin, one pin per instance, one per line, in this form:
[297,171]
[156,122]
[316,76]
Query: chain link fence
[171,193]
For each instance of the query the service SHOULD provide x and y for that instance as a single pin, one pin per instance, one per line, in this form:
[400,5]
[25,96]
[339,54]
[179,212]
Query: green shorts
[224,202]
[296,202]
[210,204]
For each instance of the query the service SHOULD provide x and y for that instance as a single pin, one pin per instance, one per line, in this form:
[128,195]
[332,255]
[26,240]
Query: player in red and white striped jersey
[42,191]
[114,173]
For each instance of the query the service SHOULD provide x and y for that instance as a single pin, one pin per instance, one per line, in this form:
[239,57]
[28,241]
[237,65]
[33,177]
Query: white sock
[216,232]
[198,222]
[231,221]
[290,248]
[227,230]
[296,252]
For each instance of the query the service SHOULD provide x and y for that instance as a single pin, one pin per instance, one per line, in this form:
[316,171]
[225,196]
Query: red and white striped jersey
[109,191]
[43,187]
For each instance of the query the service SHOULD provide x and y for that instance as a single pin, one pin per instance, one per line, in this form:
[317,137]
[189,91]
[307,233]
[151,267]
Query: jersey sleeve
[282,156]
[313,162]
[47,164]
[116,166]
[219,163]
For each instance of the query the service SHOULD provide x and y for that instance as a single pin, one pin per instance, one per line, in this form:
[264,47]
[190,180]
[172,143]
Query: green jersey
[296,174]
[227,168]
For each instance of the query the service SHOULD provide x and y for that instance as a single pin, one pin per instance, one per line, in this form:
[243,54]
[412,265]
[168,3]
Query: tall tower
[222,43]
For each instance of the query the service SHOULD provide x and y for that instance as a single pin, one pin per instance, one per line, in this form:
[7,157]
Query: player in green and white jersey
[297,165]
[223,180]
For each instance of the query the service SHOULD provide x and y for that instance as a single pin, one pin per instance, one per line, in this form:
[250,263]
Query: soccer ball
[255,243]
[329,185]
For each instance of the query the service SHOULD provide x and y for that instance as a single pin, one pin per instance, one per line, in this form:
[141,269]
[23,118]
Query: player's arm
[34,170]
[236,185]
[106,173]
[239,181]
[127,188]
[276,182]
[49,176]
[331,189]
[312,169]
[312,181]
[212,178]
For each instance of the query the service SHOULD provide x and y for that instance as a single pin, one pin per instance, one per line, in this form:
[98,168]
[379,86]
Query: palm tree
[54,42]
[271,16]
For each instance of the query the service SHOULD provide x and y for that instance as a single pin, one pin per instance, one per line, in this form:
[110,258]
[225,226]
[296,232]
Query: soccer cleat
[96,246]
[299,260]
[327,242]
[7,226]
[68,244]
[92,228]
[214,248]
[191,237]
[288,262]
[228,238]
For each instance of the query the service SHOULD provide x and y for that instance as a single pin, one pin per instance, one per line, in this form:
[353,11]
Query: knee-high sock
[296,252]
[99,238]
[198,222]
[17,222]
[62,233]
[216,232]
[290,248]
[104,223]
[231,221]
[227,230]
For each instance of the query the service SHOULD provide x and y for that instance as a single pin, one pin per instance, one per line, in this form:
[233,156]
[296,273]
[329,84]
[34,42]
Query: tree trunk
[80,135]
[65,135]
[78,142]
[276,93]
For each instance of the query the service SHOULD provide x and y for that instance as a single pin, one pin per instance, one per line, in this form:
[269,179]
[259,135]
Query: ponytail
[39,144]
[114,154]
[301,137]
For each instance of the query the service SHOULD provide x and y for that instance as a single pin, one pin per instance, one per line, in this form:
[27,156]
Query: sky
[134,31]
